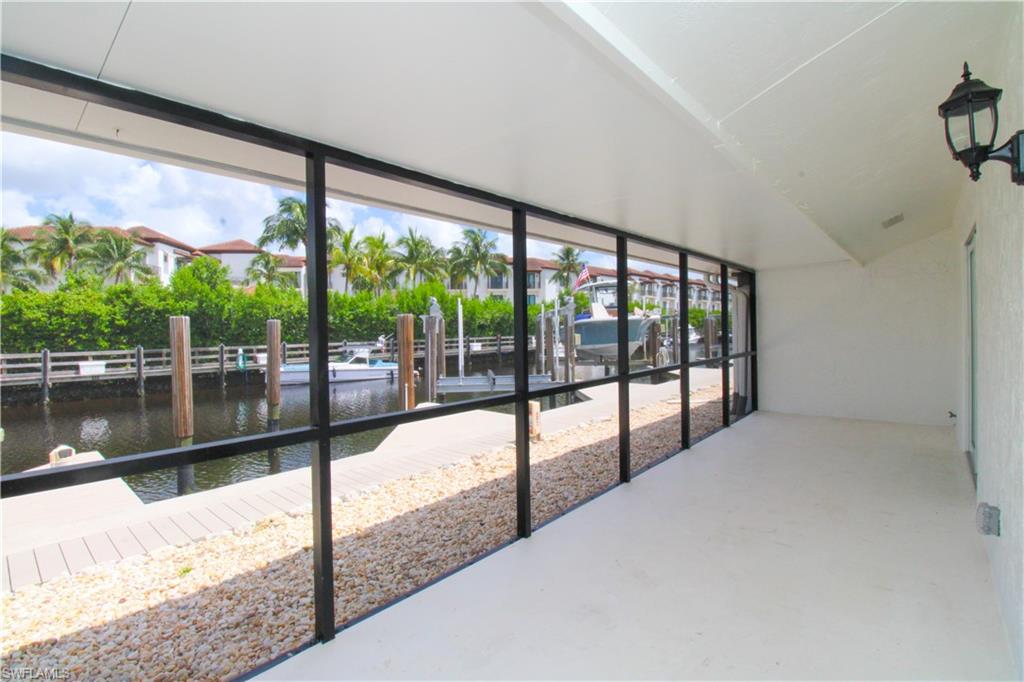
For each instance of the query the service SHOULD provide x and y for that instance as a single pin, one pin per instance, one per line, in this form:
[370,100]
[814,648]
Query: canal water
[119,426]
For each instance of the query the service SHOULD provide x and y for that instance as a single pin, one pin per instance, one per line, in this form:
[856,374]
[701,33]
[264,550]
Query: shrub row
[84,315]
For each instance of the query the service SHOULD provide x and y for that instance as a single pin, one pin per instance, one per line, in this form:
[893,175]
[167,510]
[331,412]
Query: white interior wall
[994,207]
[873,342]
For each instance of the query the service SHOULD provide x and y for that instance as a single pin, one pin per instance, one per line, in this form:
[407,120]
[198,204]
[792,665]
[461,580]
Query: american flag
[582,279]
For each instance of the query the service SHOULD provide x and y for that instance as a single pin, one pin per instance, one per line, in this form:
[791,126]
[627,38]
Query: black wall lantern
[971,113]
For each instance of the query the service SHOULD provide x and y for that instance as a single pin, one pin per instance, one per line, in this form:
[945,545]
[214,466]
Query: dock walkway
[67,531]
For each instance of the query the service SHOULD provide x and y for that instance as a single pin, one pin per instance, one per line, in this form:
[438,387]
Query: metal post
[441,357]
[284,349]
[570,342]
[181,396]
[622,305]
[524,523]
[539,352]
[319,395]
[674,322]
[275,353]
[556,321]
[724,270]
[684,349]
[44,374]
[549,346]
[462,358]
[430,356]
[221,358]
[140,372]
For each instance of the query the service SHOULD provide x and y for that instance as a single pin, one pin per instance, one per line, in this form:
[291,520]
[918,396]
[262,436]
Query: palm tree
[378,267]
[16,272]
[475,255]
[419,258]
[569,265]
[264,269]
[287,226]
[116,257]
[347,254]
[459,268]
[59,248]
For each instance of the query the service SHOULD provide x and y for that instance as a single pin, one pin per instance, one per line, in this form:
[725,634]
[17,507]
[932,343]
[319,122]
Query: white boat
[359,367]
[598,329]
[694,336]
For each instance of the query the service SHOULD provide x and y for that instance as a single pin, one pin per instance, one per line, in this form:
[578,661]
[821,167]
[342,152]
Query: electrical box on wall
[988,519]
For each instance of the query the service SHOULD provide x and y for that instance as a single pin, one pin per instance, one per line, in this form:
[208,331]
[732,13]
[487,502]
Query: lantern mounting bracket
[1011,153]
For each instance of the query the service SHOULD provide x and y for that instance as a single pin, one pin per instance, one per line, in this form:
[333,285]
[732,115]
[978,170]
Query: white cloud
[15,209]
[41,177]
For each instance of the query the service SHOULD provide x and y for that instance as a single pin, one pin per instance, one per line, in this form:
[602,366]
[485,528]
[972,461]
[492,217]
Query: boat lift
[489,383]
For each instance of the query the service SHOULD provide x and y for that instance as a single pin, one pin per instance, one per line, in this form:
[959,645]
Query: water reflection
[118,426]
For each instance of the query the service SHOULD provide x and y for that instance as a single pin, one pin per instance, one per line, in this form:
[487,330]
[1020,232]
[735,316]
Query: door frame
[971,356]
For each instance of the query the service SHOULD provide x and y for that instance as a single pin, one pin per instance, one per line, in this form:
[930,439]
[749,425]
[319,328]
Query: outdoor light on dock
[971,113]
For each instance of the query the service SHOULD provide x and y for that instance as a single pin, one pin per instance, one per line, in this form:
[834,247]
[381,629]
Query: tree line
[84,314]
[68,245]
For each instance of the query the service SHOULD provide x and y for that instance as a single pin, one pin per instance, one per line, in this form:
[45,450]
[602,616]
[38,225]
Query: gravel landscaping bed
[224,605]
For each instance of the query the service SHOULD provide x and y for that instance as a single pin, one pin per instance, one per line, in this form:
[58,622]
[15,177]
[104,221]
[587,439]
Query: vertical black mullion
[753,342]
[622,318]
[319,398]
[684,348]
[524,524]
[724,284]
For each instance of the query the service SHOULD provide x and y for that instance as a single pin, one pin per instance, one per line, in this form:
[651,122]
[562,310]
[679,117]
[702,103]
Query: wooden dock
[65,531]
[47,368]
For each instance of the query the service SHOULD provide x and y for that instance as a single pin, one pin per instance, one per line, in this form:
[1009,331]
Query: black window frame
[321,430]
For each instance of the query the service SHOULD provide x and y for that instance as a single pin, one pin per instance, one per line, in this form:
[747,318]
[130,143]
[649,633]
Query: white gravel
[224,605]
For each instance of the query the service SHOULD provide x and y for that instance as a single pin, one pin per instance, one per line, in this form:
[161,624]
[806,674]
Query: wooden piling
[406,385]
[276,350]
[181,395]
[534,419]
[710,331]
[674,324]
[140,371]
[654,342]
[44,375]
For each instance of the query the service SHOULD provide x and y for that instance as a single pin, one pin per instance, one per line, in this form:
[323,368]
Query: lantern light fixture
[971,116]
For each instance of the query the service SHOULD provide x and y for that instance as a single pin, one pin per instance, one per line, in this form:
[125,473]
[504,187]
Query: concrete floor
[784,547]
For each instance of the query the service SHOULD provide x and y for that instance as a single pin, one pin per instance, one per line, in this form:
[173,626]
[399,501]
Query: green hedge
[83,315]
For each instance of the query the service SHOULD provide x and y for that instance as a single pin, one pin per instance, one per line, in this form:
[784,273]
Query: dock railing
[54,367]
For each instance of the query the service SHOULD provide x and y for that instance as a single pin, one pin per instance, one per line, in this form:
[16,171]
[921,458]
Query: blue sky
[40,177]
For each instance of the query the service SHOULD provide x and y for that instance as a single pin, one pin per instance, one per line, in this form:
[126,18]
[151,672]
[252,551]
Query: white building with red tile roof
[164,254]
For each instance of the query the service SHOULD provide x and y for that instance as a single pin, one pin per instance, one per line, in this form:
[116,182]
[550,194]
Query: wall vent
[895,220]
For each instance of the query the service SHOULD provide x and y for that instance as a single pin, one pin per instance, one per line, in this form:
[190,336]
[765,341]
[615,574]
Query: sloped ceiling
[833,104]
[768,135]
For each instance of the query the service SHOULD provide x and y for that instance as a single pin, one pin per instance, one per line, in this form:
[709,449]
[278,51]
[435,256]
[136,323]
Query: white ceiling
[546,105]
[831,104]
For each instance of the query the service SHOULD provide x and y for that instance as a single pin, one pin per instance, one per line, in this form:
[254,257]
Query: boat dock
[46,368]
[71,529]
